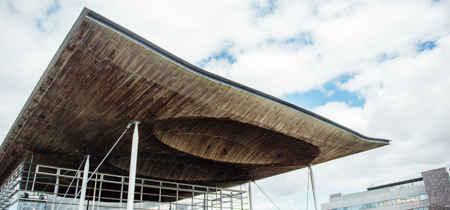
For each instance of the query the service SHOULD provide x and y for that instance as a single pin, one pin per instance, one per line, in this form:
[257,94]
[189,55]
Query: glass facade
[386,203]
[407,185]
[424,208]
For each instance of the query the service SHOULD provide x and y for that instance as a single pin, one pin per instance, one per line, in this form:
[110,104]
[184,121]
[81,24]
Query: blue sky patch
[314,98]
[53,9]
[224,54]
[428,45]
[11,7]
[300,40]
[303,38]
[263,11]
[39,24]
[49,12]
[384,57]
[341,79]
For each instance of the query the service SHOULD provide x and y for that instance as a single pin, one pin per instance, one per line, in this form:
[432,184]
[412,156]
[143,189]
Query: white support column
[207,199]
[95,190]
[84,185]
[250,195]
[221,199]
[231,200]
[313,186]
[133,162]
[242,197]
[192,198]
[55,192]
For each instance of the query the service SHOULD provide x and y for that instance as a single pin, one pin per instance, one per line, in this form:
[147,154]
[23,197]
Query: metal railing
[48,184]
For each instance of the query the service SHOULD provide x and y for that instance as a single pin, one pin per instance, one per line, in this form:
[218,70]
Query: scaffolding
[35,186]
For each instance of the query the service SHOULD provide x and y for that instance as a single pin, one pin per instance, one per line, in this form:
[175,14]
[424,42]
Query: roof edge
[223,80]
[394,183]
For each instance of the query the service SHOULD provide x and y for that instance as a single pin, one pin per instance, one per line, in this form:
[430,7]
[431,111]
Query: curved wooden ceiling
[195,127]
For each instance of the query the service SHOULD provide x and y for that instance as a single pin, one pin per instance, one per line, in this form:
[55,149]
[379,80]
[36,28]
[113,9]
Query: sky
[381,68]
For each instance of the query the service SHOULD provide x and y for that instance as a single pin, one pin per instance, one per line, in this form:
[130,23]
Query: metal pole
[34,179]
[242,197]
[133,162]
[231,200]
[313,186]
[84,184]
[250,195]
[55,191]
[176,201]
[216,197]
[204,201]
[159,198]
[207,198]
[221,199]
[29,171]
[95,189]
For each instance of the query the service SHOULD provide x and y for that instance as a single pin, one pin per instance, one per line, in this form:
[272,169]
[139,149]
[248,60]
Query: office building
[428,191]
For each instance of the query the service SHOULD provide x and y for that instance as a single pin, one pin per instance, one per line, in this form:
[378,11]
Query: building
[428,191]
[201,137]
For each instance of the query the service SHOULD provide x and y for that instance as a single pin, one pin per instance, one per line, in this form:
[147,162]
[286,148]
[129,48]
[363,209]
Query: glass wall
[401,186]
[407,185]
[45,187]
[386,203]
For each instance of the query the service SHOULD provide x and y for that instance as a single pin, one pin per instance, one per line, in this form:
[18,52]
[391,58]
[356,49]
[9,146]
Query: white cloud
[297,47]
[351,117]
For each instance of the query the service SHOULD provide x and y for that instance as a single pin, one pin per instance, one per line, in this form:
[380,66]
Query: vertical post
[216,197]
[176,201]
[29,171]
[84,183]
[250,196]
[121,189]
[192,199]
[55,192]
[34,180]
[159,198]
[231,200]
[242,197]
[95,190]
[205,203]
[221,199]
[78,182]
[313,186]
[100,190]
[142,192]
[133,162]
[207,199]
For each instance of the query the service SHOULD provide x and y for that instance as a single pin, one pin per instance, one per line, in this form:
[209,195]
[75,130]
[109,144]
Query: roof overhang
[196,127]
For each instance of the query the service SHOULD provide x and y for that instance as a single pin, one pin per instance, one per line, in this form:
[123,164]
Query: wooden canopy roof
[195,127]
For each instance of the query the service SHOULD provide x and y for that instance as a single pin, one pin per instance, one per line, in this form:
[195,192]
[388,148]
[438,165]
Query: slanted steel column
[84,185]
[29,171]
[250,195]
[133,162]
[313,186]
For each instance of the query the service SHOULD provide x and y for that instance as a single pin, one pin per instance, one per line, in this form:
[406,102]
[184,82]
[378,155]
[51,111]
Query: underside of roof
[196,127]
